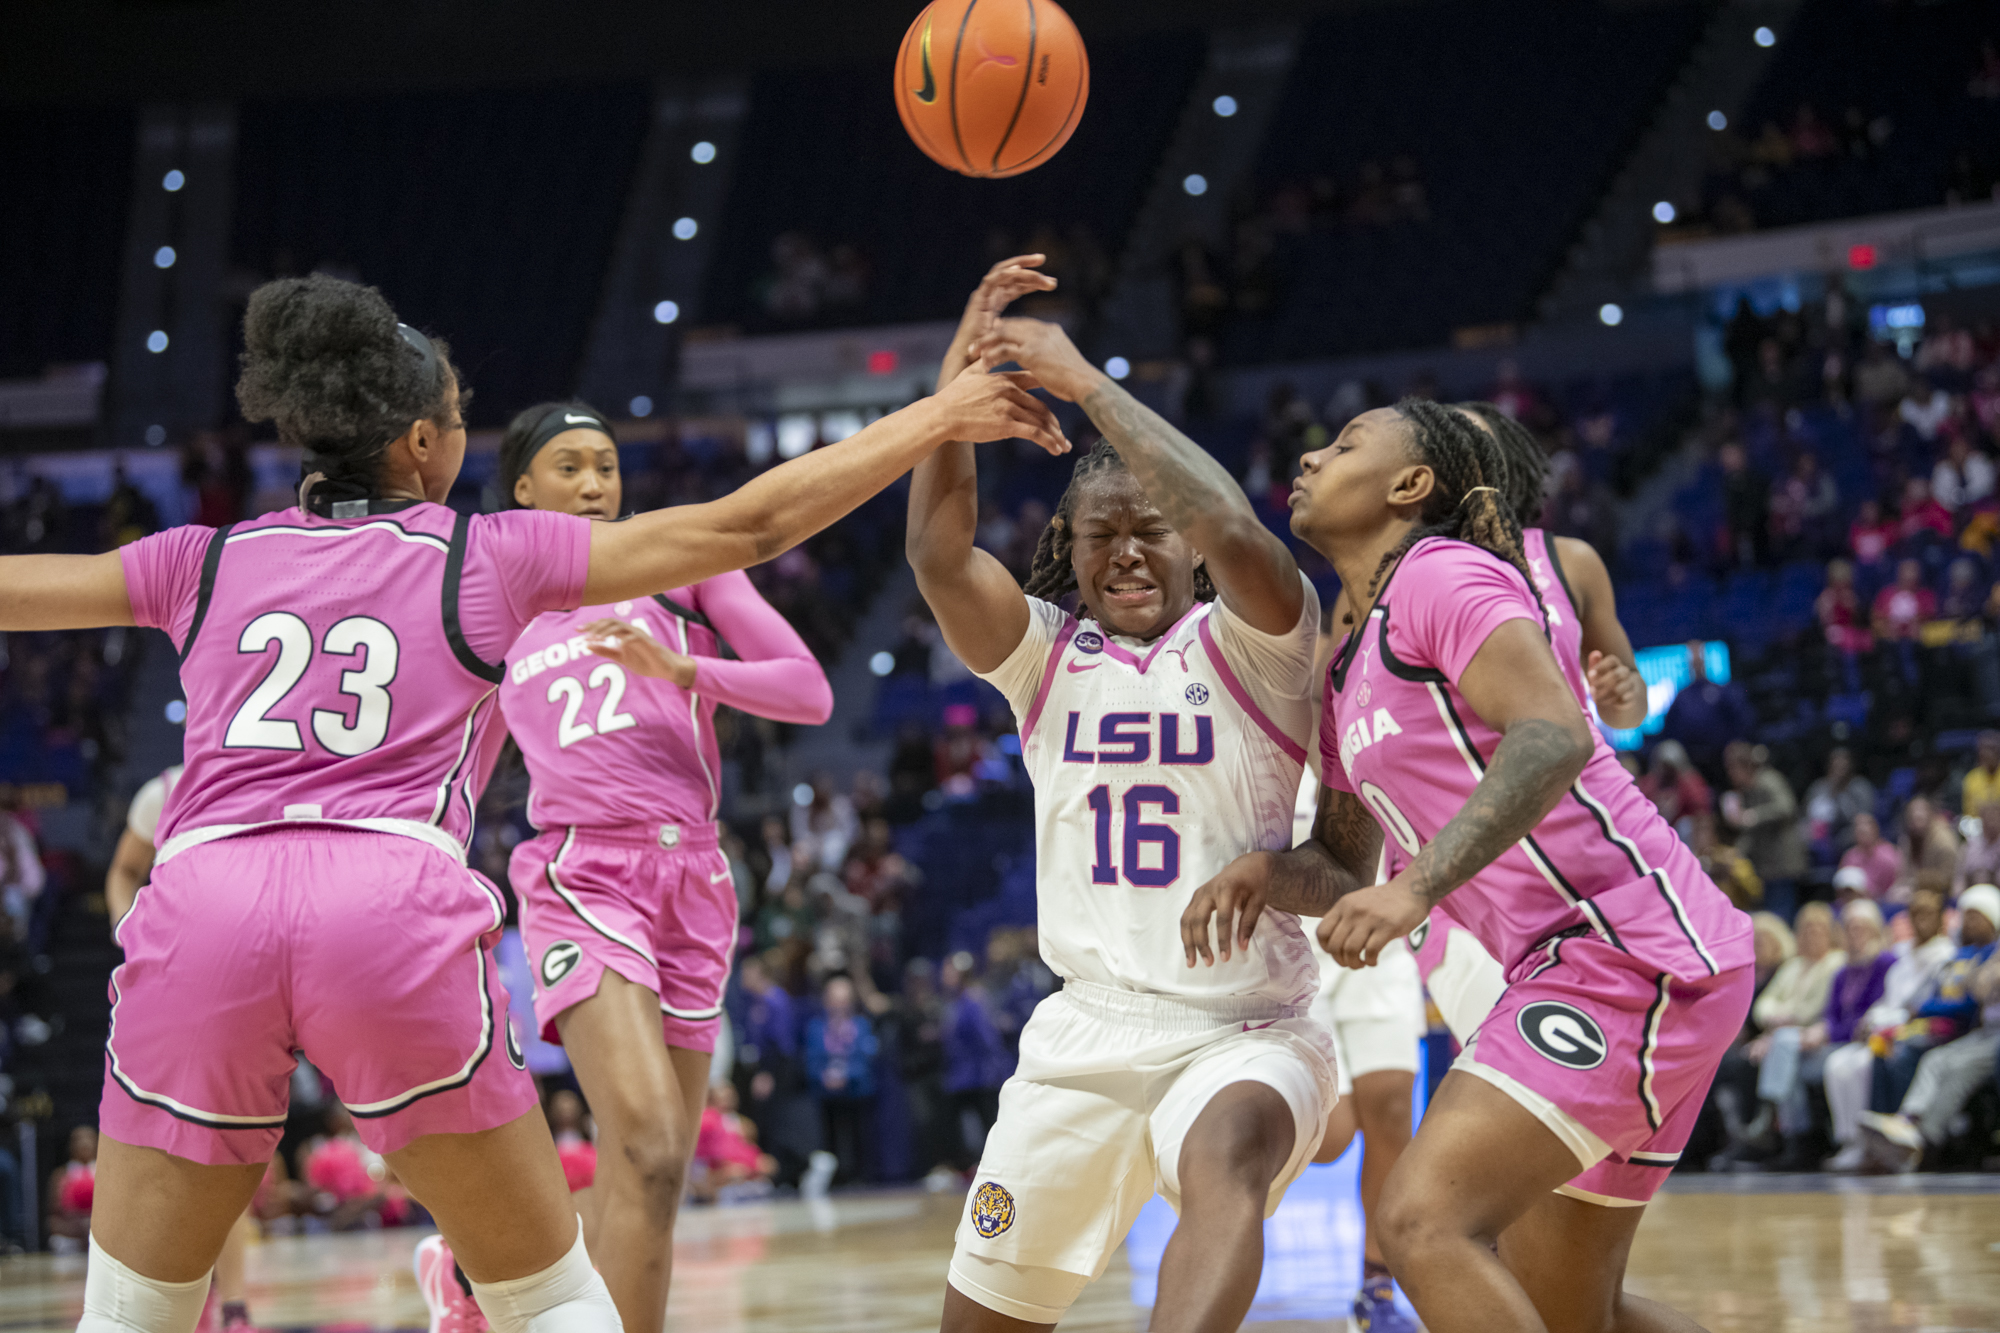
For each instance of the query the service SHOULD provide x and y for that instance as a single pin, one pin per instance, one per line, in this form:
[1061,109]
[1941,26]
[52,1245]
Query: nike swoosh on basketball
[928,93]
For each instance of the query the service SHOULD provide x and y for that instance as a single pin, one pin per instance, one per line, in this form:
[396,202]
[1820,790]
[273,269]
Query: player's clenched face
[576,472]
[1366,477]
[1136,572]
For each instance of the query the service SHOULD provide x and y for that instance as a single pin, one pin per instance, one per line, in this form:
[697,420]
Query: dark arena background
[1735,264]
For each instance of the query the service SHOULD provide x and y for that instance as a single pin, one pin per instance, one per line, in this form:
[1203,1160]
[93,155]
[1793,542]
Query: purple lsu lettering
[1127,738]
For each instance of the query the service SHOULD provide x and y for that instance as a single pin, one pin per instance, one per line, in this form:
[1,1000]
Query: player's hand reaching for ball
[1616,689]
[1363,922]
[638,652]
[980,405]
[1234,899]
[1045,351]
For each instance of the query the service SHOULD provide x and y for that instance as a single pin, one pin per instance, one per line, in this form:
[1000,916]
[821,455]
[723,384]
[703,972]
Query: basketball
[992,88]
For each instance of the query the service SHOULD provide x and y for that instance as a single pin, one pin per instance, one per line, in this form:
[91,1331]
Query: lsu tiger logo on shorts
[992,1210]
[559,960]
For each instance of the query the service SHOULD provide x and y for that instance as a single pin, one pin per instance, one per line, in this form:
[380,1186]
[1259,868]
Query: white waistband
[408,828]
[1175,1013]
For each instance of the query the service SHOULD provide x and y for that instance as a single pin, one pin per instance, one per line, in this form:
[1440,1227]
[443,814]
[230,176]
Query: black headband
[560,418]
[422,346]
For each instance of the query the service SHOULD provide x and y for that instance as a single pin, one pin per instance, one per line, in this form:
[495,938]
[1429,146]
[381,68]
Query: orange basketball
[991,87]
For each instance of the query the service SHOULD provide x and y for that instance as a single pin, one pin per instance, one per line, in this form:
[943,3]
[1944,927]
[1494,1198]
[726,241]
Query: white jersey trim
[395,530]
[407,828]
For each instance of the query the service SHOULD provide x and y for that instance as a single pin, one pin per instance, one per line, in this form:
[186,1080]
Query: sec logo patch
[1563,1033]
[1197,694]
[992,1210]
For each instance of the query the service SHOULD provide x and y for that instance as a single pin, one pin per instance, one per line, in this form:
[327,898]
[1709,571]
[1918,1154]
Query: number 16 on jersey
[1151,851]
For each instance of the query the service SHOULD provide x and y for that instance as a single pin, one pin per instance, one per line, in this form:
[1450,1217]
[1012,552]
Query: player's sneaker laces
[1375,1309]
[452,1310]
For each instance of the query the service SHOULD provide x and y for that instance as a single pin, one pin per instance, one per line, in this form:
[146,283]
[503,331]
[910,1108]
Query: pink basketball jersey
[1565,625]
[344,670]
[1396,731]
[605,746]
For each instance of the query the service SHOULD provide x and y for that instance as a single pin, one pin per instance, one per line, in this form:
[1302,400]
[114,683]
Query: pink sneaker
[452,1311]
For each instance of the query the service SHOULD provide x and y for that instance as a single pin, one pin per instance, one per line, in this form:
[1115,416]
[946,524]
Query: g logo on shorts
[559,960]
[992,1210]
[1563,1033]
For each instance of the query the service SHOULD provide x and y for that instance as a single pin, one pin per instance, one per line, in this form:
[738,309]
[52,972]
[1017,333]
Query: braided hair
[1051,575]
[1527,464]
[1469,496]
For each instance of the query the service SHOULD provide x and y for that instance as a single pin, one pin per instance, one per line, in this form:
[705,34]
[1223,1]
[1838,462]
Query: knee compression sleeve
[566,1297]
[1033,1295]
[118,1300]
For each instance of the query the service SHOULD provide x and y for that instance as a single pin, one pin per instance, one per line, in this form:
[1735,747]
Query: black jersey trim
[1421,675]
[694,617]
[454,568]
[211,562]
[1549,540]
[489,1022]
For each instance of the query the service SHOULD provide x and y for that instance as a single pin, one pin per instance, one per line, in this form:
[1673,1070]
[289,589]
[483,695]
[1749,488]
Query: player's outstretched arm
[671,548]
[979,606]
[1616,686]
[44,592]
[1515,687]
[1339,857]
[1253,569]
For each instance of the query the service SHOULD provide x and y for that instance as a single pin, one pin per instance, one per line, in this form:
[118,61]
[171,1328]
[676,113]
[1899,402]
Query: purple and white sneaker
[1376,1311]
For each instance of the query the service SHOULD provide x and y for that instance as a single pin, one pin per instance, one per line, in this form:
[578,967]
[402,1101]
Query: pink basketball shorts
[369,953]
[654,903]
[1615,1057]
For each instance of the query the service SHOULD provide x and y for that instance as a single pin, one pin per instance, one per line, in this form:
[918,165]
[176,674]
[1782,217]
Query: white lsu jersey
[1155,765]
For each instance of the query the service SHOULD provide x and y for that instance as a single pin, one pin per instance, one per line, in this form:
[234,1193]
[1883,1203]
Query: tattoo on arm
[1532,767]
[1339,858]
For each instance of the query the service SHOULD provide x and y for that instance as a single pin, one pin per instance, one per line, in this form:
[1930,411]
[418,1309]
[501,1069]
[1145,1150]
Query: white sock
[566,1297]
[118,1300]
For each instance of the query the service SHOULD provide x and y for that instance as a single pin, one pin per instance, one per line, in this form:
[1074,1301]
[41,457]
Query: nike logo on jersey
[1257,1027]
[1073,668]
[1357,737]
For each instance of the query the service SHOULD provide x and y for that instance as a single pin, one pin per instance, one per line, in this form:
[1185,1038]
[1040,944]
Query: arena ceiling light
[1225,105]
[1663,212]
[666,312]
[1765,37]
[156,341]
[1118,367]
[685,228]
[1611,313]
[164,257]
[173,180]
[1195,184]
[1717,121]
[642,406]
[703,152]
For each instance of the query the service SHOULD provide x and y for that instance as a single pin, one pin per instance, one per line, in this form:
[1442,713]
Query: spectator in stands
[840,1048]
[976,1062]
[1876,857]
[1871,536]
[1741,339]
[920,1020]
[1745,508]
[1925,408]
[1921,513]
[72,1188]
[1727,866]
[1848,1073]
[1929,846]
[1841,614]
[1762,811]
[1880,378]
[1705,716]
[21,875]
[1902,608]
[1795,996]
[1979,861]
[826,822]
[1835,800]
[1980,786]
[352,1186]
[1948,1052]
[1512,394]
[1965,593]
[1963,477]
[960,750]
[1984,401]
[1803,508]
[1796,1058]
[726,1152]
[1671,783]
